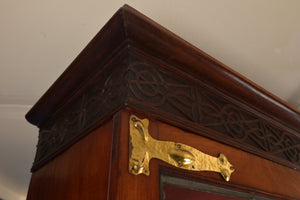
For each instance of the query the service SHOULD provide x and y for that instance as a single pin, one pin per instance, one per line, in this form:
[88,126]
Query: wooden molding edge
[109,74]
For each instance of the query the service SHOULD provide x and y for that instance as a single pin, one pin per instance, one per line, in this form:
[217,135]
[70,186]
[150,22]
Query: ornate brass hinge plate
[143,147]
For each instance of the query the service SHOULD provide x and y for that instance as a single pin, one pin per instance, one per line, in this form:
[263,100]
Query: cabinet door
[254,177]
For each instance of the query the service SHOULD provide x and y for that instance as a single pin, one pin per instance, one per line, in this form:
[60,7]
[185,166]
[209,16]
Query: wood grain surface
[79,173]
[252,173]
[135,64]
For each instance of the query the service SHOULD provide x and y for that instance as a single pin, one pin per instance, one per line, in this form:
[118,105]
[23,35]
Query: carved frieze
[194,103]
[141,83]
[101,98]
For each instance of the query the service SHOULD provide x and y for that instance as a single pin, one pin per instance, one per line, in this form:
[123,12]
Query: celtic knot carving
[163,91]
[146,86]
[102,96]
[192,102]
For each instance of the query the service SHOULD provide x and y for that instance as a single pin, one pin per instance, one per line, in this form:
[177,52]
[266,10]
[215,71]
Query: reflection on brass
[143,147]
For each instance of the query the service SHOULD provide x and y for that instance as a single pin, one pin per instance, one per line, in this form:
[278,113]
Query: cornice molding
[168,78]
[149,88]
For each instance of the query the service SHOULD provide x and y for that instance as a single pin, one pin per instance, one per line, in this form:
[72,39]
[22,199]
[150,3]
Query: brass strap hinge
[143,147]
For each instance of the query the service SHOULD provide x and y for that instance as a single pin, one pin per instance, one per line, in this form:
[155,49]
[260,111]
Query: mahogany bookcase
[134,66]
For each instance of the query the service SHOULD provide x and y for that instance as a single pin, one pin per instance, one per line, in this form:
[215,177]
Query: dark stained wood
[171,98]
[166,77]
[100,49]
[135,66]
[137,30]
[175,99]
[81,172]
[187,58]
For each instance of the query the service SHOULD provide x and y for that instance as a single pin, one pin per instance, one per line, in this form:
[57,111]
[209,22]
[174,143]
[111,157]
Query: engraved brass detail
[143,147]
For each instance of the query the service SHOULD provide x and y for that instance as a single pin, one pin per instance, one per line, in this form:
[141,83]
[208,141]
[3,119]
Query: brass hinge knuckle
[142,147]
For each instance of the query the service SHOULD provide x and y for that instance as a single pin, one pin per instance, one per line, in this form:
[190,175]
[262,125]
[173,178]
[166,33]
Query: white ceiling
[39,39]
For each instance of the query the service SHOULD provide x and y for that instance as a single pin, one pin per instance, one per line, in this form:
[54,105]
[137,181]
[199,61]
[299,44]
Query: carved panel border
[157,89]
[101,98]
[194,103]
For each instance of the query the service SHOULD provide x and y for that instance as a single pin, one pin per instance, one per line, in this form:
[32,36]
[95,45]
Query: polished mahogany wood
[168,78]
[81,172]
[253,173]
[123,185]
[135,66]
[129,28]
[97,167]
